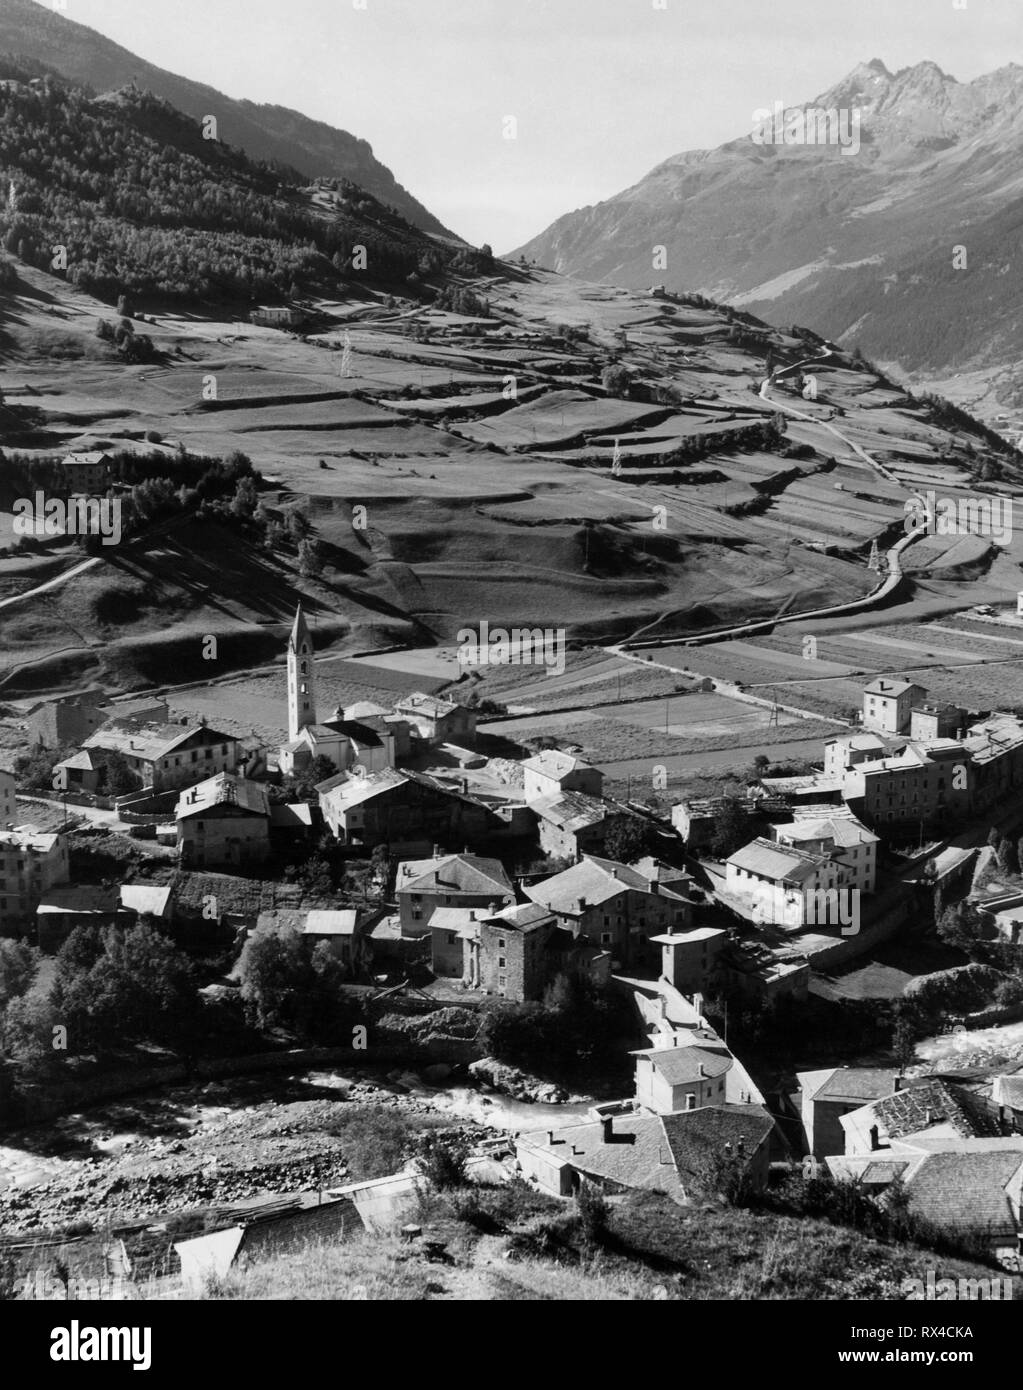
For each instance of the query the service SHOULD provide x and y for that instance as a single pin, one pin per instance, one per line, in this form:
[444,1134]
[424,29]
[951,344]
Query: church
[353,743]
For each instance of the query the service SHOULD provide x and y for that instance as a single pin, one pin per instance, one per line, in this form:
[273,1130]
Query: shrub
[594,1214]
[442,1160]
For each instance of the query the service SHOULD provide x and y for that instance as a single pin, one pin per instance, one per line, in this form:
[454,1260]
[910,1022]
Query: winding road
[888,584]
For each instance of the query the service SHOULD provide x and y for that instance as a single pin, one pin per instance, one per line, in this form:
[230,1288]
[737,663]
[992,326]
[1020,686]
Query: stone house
[612,906]
[888,704]
[167,756]
[224,820]
[676,1154]
[445,881]
[436,720]
[825,1096]
[31,862]
[550,773]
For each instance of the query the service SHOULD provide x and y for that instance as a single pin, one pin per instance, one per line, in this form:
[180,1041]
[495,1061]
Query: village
[492,878]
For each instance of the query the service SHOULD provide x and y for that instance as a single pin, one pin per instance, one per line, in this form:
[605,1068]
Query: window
[452,938]
[690,1101]
[605,938]
[501,962]
[501,943]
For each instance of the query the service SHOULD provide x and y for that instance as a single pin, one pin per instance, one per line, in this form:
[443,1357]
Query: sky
[600,90]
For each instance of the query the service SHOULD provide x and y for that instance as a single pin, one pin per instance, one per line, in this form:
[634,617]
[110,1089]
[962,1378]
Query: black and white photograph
[511,671]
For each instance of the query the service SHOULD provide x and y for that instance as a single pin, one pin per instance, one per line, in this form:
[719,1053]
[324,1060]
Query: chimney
[662,1006]
[899,1083]
[929,1117]
[728,1148]
[607,1126]
[550,1137]
[580,904]
[702,1070]
[741,1146]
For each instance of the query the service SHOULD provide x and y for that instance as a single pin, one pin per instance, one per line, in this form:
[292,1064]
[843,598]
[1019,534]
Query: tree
[627,839]
[616,379]
[310,559]
[299,525]
[18,965]
[731,828]
[903,1038]
[113,985]
[245,499]
[1008,858]
[116,777]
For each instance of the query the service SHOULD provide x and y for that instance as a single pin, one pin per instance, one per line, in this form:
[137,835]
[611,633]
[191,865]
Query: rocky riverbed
[227,1142]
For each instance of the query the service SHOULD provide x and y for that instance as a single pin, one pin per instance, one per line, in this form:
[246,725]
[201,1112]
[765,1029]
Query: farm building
[166,756]
[224,820]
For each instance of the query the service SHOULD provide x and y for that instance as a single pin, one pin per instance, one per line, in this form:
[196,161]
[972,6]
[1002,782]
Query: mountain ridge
[861,247]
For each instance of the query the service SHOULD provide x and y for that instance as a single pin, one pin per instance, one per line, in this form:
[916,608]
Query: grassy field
[478,520]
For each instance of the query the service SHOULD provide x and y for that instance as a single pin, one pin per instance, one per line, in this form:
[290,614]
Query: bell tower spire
[301,680]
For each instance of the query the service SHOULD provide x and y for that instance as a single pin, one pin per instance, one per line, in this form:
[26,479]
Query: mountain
[144,206]
[271,133]
[858,245]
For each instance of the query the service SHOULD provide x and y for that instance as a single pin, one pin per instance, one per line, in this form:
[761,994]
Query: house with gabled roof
[224,820]
[825,1096]
[682,1155]
[573,823]
[930,1105]
[970,1187]
[166,756]
[436,720]
[888,704]
[550,773]
[449,880]
[612,906]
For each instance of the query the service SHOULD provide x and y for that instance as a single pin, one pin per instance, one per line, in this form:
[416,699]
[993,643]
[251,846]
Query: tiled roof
[885,1171]
[857,1083]
[890,688]
[364,709]
[522,917]
[226,789]
[680,1065]
[345,792]
[145,739]
[696,1137]
[593,879]
[553,763]
[967,1191]
[571,810]
[453,873]
[1008,1090]
[27,837]
[464,921]
[324,922]
[768,860]
[430,706]
[636,1155]
[919,1105]
[144,897]
[845,831]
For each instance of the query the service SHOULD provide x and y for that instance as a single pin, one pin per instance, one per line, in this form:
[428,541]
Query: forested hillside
[146,206]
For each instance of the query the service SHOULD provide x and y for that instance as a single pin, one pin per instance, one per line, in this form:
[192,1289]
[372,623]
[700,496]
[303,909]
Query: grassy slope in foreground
[655,1250]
